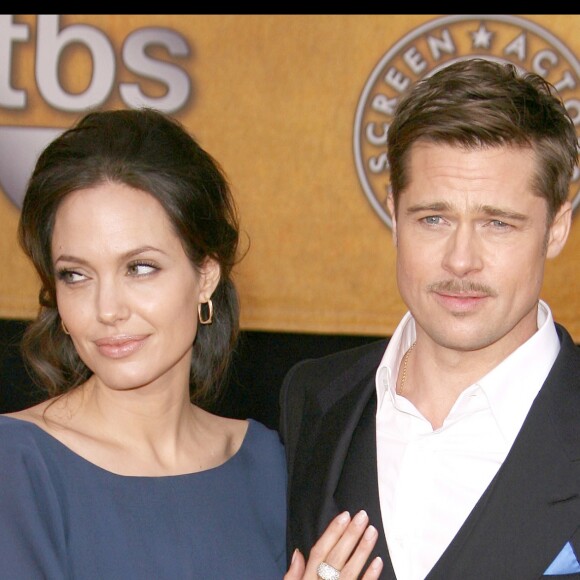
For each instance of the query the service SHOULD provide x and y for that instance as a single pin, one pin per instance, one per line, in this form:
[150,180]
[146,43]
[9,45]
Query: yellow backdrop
[275,100]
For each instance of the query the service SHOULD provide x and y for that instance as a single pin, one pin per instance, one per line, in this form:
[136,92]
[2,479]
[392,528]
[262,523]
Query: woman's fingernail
[343,517]
[376,563]
[370,533]
[361,517]
[295,553]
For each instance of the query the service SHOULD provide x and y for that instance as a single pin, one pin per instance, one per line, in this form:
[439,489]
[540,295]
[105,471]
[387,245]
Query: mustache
[461,287]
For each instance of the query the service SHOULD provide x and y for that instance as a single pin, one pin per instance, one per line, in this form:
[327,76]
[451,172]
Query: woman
[123,472]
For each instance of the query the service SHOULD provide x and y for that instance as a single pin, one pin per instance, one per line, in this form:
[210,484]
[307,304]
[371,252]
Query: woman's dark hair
[146,150]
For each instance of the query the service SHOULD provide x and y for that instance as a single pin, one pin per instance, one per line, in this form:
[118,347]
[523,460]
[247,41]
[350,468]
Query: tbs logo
[20,145]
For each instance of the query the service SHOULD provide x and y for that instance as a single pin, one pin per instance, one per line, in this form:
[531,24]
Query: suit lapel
[339,412]
[327,428]
[532,506]
[358,484]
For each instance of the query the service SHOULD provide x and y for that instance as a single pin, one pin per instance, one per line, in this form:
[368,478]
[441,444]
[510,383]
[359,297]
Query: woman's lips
[120,346]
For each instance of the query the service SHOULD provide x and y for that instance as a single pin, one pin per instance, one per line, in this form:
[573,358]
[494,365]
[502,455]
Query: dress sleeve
[32,534]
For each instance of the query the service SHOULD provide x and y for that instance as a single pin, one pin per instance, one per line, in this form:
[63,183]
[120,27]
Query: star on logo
[482,37]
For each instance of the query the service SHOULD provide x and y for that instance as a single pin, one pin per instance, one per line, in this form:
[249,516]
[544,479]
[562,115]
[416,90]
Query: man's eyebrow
[488,210]
[435,207]
[493,211]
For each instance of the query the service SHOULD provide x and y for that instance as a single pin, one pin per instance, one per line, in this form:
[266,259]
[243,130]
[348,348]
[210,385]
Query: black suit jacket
[522,521]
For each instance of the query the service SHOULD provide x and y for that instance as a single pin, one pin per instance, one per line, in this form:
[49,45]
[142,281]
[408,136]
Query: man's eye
[432,220]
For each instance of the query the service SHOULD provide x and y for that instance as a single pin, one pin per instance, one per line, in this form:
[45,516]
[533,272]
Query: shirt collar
[523,371]
[512,386]
[401,341]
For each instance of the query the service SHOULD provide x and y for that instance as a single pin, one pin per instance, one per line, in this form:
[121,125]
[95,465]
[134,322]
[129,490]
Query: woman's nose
[112,305]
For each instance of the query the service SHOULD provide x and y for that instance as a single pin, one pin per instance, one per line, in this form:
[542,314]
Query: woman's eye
[141,269]
[70,276]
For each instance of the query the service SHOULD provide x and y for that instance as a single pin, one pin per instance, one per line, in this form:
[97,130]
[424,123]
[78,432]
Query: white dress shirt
[429,481]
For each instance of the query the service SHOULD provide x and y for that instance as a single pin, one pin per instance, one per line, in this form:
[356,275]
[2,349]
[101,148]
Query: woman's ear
[559,230]
[209,278]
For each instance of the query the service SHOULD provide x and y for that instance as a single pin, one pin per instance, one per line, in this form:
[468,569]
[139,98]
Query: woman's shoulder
[255,452]
[23,445]
[31,430]
[240,433]
[25,426]
[16,426]
[259,432]
[264,444]
[34,414]
[26,423]
[248,435]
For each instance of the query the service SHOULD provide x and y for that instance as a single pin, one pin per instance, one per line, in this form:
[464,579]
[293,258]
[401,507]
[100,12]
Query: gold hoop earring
[209,318]
[64,327]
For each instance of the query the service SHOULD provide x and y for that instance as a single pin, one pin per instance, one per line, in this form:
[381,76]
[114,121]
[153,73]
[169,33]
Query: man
[461,438]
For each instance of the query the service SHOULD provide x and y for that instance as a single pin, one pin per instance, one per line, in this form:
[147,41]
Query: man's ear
[209,279]
[391,208]
[559,230]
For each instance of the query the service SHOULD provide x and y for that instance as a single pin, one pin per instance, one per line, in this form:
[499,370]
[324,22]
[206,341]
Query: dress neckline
[51,439]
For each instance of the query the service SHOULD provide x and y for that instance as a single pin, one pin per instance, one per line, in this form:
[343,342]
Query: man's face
[472,239]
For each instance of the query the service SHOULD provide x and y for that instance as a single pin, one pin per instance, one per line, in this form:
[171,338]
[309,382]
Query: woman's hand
[345,545]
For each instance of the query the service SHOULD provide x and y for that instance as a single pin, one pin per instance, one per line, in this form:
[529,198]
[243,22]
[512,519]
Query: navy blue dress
[62,517]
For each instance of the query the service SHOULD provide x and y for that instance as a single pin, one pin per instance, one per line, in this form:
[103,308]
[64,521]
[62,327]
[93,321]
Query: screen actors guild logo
[434,45]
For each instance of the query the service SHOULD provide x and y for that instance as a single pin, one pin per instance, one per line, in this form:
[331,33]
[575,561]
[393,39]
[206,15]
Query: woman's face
[125,289]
